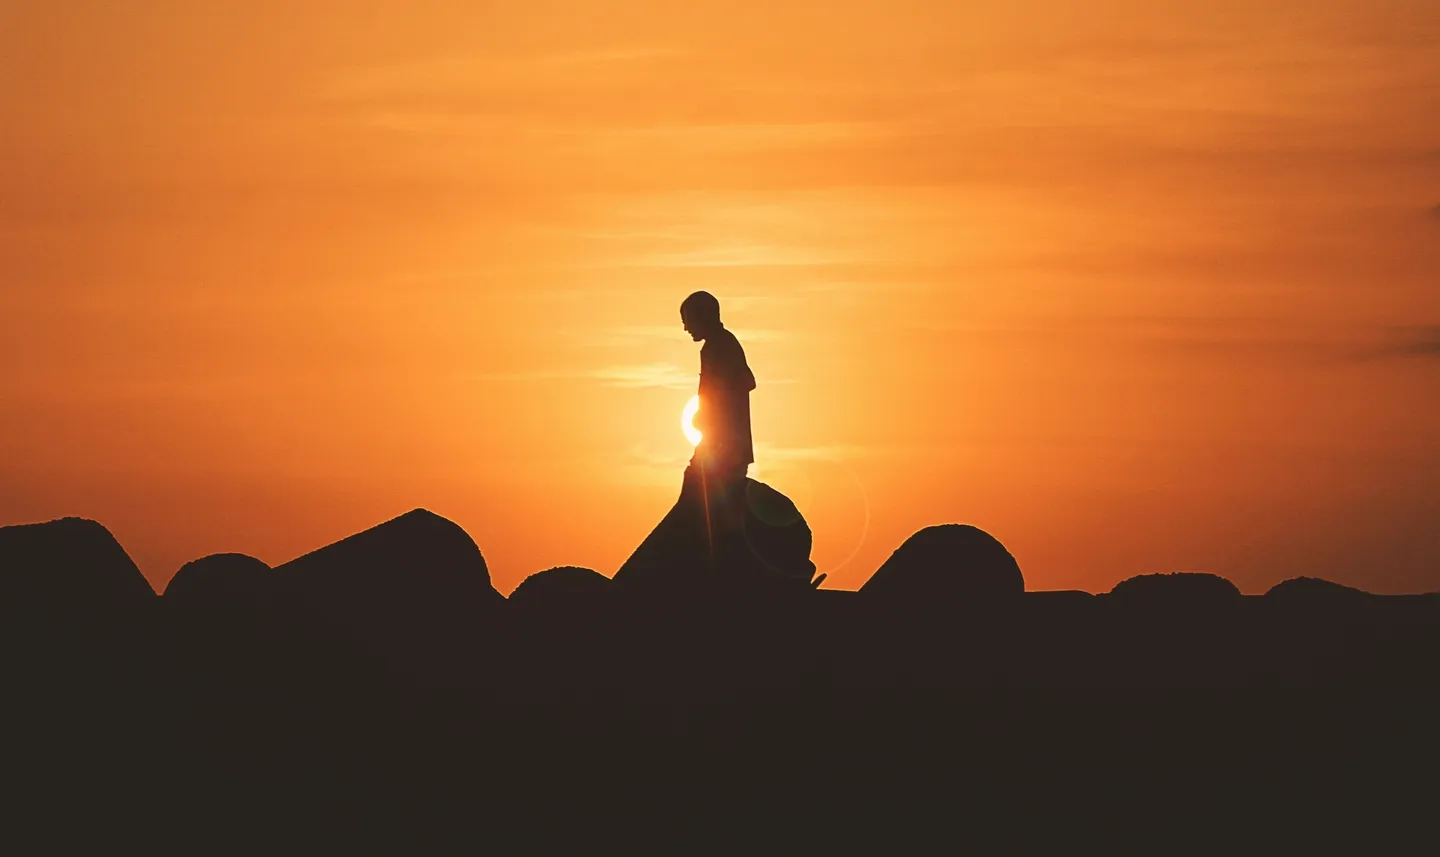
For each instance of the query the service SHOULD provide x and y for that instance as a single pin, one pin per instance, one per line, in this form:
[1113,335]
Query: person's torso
[725,385]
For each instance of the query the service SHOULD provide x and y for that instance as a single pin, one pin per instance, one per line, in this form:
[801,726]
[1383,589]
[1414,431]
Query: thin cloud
[1401,342]
[1220,337]
[733,256]
[635,335]
[617,55]
[664,375]
[639,456]
[657,375]
[832,452]
[1420,342]
[618,337]
[471,72]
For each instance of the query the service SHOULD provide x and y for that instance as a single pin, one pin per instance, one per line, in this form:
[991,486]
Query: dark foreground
[371,699]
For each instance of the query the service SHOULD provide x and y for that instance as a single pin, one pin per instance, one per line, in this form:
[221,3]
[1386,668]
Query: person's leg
[713,518]
[727,509]
[719,483]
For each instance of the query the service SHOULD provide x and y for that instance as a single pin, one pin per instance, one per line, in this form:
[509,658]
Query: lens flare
[687,420]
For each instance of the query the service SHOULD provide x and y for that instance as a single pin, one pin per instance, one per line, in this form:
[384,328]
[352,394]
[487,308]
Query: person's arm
[727,368]
[747,378]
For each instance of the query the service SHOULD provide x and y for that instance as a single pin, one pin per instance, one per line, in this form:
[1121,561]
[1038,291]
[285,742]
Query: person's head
[700,314]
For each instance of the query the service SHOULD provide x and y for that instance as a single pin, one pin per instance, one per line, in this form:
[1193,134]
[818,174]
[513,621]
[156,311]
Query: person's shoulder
[725,341]
[722,349]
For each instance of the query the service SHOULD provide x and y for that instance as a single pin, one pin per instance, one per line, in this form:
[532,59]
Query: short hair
[701,306]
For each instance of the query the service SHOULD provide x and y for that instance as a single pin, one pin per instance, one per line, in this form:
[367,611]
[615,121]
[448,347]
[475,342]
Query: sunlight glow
[687,420]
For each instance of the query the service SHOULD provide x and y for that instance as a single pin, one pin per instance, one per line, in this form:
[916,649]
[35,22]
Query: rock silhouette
[68,567]
[679,554]
[221,581]
[419,557]
[564,584]
[222,614]
[947,565]
[1178,590]
[777,534]
[73,606]
[1313,590]
[383,680]
[413,592]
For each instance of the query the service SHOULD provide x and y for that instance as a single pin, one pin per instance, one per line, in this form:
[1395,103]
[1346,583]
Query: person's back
[726,447]
[724,416]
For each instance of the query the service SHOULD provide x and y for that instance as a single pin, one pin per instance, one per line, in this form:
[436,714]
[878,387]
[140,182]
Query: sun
[687,420]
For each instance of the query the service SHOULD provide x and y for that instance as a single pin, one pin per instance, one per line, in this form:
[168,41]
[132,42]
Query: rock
[413,592]
[671,558]
[74,610]
[946,565]
[778,536]
[222,619]
[565,584]
[414,558]
[221,581]
[1314,591]
[774,552]
[69,570]
[1180,590]
[563,632]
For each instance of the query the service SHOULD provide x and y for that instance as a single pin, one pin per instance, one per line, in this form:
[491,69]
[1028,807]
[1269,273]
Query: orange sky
[1135,286]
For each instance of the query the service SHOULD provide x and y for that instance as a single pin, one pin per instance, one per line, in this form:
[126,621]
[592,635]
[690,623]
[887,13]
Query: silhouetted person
[726,448]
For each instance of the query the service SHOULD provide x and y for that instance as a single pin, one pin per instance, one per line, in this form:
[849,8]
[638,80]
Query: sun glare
[687,420]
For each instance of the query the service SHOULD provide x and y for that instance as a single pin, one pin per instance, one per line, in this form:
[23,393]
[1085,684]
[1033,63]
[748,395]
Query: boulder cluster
[411,600]
[382,683]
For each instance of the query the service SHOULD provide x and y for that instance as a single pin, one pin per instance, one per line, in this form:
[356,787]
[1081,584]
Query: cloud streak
[839,453]
[664,375]
[621,337]
[633,376]
[477,72]
[1419,342]
[1405,342]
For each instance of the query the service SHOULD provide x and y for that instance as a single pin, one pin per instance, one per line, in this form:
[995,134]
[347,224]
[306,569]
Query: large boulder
[563,631]
[1180,590]
[75,612]
[411,559]
[69,570]
[778,537]
[563,585]
[222,581]
[223,624]
[1313,591]
[413,593]
[771,552]
[947,565]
